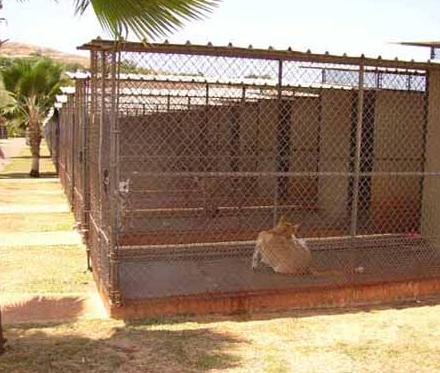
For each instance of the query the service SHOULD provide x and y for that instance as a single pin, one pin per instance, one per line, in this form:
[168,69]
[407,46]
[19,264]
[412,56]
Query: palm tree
[32,86]
[146,18]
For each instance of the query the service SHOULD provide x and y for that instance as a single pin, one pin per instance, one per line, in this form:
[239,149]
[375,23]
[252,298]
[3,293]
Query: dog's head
[286,228]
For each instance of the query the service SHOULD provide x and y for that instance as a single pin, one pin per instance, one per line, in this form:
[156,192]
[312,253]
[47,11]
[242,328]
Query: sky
[338,26]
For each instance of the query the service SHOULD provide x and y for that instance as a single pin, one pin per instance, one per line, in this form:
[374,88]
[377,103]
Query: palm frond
[146,18]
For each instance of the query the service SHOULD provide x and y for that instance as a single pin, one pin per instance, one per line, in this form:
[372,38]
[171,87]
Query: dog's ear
[282,219]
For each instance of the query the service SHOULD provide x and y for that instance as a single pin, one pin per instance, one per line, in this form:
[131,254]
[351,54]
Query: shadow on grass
[41,308]
[25,175]
[127,349]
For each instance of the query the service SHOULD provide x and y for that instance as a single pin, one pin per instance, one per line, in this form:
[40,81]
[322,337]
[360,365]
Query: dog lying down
[280,249]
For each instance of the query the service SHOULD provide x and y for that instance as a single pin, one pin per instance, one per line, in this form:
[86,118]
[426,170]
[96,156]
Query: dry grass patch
[47,222]
[35,195]
[388,340]
[111,346]
[43,269]
[21,164]
[29,185]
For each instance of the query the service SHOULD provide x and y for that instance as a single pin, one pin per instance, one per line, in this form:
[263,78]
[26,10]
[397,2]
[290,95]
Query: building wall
[334,152]
[243,137]
[305,148]
[399,119]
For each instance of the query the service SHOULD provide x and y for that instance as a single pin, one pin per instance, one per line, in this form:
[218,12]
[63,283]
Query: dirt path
[43,276]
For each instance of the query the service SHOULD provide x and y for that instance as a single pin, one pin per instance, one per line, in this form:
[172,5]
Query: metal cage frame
[347,145]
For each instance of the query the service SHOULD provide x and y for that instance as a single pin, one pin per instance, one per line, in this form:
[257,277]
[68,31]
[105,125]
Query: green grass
[38,269]
[18,186]
[43,269]
[216,361]
[22,163]
[273,363]
[44,222]
[37,196]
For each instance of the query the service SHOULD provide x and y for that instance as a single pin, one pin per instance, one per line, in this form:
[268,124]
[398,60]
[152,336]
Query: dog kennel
[177,156]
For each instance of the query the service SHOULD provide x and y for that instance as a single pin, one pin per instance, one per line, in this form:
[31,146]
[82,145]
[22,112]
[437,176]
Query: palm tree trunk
[34,142]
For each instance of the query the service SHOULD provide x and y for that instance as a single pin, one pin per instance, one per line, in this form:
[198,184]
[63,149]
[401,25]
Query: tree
[32,86]
[145,18]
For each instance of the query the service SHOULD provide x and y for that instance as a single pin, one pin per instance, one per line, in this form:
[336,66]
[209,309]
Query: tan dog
[282,251]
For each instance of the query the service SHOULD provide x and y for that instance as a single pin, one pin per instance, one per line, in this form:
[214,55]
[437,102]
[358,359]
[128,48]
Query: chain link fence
[51,134]
[175,158]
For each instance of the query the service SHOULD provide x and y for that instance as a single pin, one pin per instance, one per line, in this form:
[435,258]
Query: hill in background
[20,50]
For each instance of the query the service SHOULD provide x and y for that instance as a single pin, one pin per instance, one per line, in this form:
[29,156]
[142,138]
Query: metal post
[280,96]
[74,124]
[206,161]
[90,150]
[357,156]
[101,135]
[114,182]
[57,141]
[83,109]
[207,95]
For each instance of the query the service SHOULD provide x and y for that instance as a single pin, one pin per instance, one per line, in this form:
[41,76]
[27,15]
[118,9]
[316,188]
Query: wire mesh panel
[70,126]
[80,187]
[194,151]
[69,147]
[51,134]
[77,154]
[62,114]
[97,176]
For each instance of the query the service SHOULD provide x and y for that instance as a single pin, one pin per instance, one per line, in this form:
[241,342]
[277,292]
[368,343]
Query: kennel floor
[165,274]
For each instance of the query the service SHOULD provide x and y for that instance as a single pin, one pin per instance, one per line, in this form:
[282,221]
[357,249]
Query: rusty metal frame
[106,82]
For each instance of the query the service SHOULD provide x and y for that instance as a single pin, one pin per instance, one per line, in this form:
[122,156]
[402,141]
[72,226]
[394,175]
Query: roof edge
[255,53]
